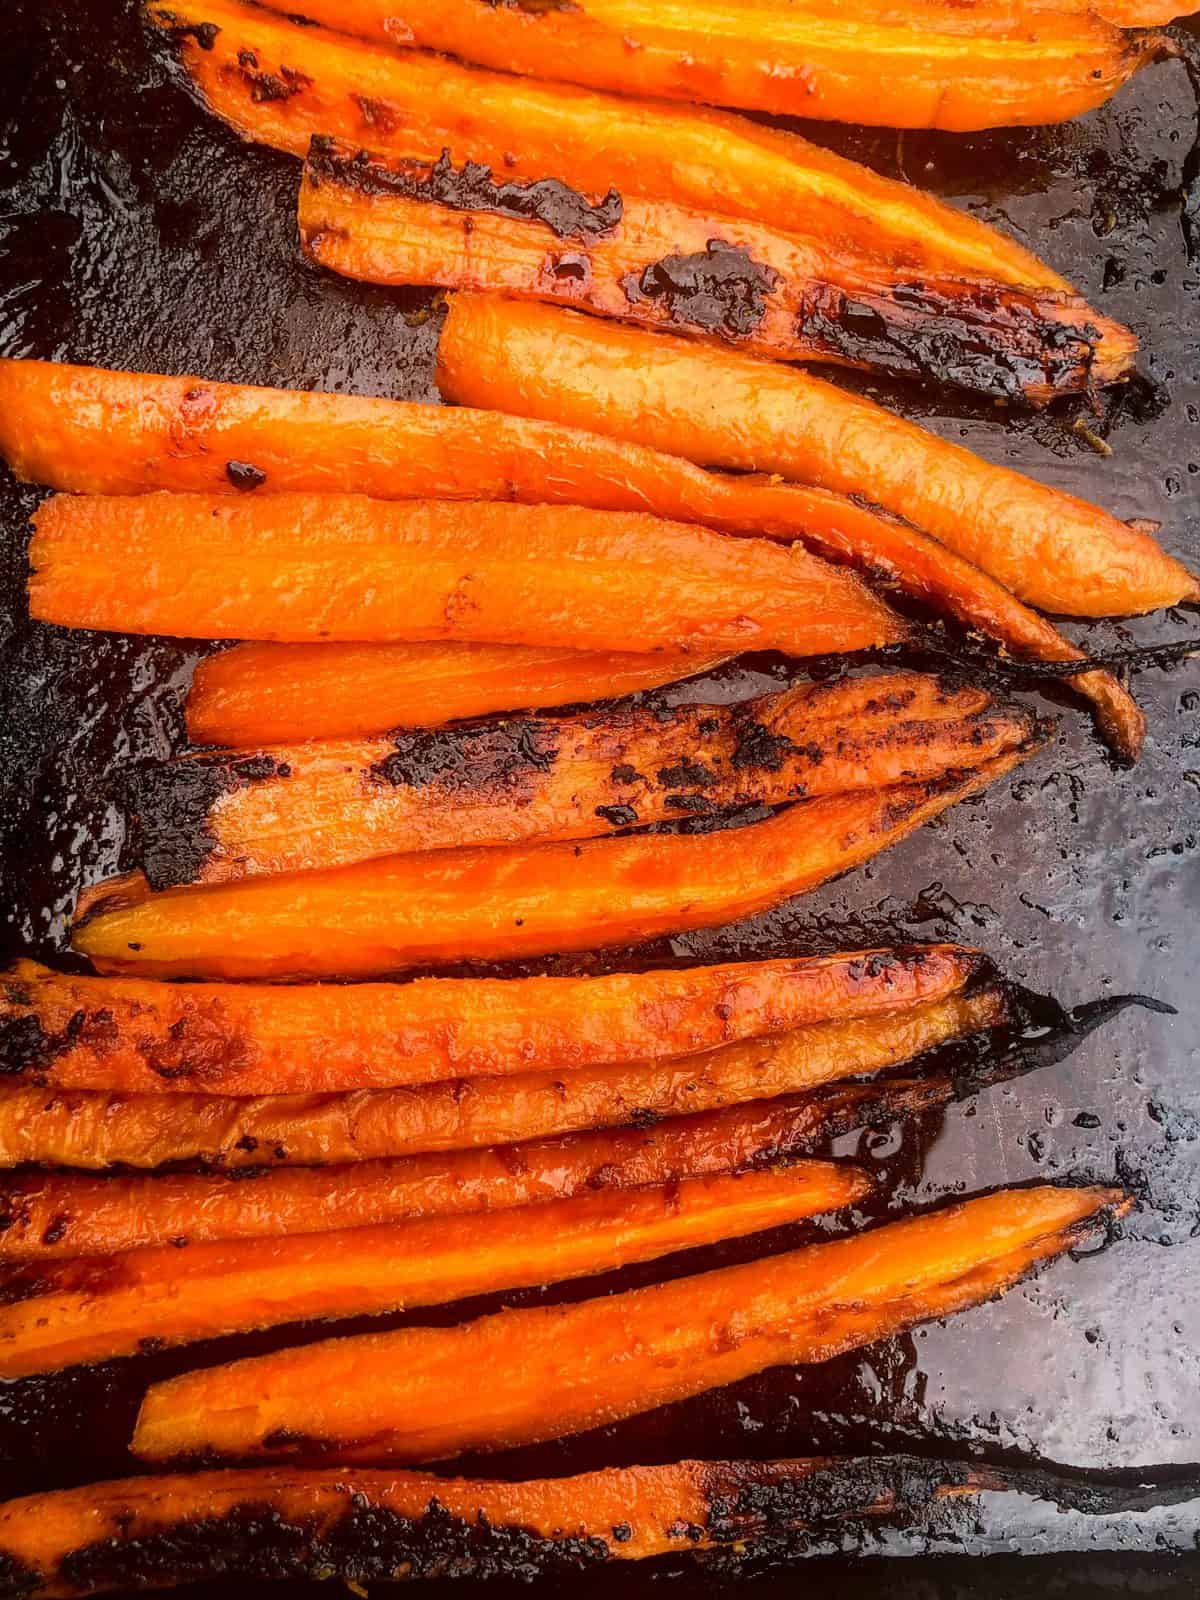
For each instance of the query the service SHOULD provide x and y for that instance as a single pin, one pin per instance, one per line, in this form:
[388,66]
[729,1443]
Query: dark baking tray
[135,232]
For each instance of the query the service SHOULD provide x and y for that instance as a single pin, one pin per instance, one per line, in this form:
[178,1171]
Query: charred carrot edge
[143,1037]
[53,1216]
[70,1313]
[559,1370]
[503,901]
[1050,548]
[87,430]
[818,63]
[402,221]
[395,102]
[360,569]
[370,1527]
[220,818]
[93,1130]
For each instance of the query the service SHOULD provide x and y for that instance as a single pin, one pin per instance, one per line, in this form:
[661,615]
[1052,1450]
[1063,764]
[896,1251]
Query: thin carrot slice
[70,1313]
[369,1527]
[840,65]
[56,1215]
[306,567]
[219,818]
[1050,548]
[142,1037]
[93,1130]
[504,901]
[399,222]
[416,104]
[562,1369]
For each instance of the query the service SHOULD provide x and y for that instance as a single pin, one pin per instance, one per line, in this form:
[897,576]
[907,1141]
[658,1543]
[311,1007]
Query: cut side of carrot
[503,902]
[142,1037]
[553,1371]
[92,1130]
[926,68]
[413,103]
[399,222]
[69,1313]
[307,567]
[53,1216]
[371,1527]
[219,818]
[1051,549]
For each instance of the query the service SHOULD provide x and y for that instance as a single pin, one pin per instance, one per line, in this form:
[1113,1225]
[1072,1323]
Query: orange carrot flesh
[1051,549]
[92,1130]
[61,1314]
[400,222]
[506,901]
[219,818]
[54,1216]
[559,1370]
[307,567]
[818,62]
[139,1036]
[412,103]
[375,1527]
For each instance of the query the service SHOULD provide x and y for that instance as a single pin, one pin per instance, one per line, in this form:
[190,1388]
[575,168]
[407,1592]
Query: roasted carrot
[726,409]
[497,902]
[143,1037]
[306,567]
[89,431]
[401,221]
[927,67]
[217,818]
[55,1215]
[558,1370]
[94,1130]
[371,1527]
[69,1313]
[416,104]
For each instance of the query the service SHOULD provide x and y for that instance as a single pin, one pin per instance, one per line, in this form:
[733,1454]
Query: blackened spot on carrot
[758,749]
[471,187]
[619,816]
[720,289]
[626,774]
[571,268]
[533,8]
[171,802]
[87,1276]
[693,773]
[204,33]
[695,805]
[245,475]
[483,757]
[376,113]
[56,1229]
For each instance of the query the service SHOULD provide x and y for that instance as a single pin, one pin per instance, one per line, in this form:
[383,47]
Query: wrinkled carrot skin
[498,902]
[1051,549]
[553,1371]
[373,1527]
[142,1037]
[96,1308]
[307,567]
[92,1130]
[412,103]
[53,1216]
[814,63]
[294,808]
[90,431]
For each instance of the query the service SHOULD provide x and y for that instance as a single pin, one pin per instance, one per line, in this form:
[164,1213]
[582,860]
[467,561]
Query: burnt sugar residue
[244,475]
[479,758]
[720,289]
[470,187]
[171,803]
[204,33]
[267,87]
[534,8]
[995,341]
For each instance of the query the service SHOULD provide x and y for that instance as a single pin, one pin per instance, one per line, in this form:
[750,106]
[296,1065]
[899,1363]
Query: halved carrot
[558,1370]
[924,69]
[496,902]
[402,221]
[69,1313]
[306,567]
[144,1037]
[56,1215]
[414,103]
[94,1130]
[218,818]
[725,409]
[376,1527]
[88,430]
